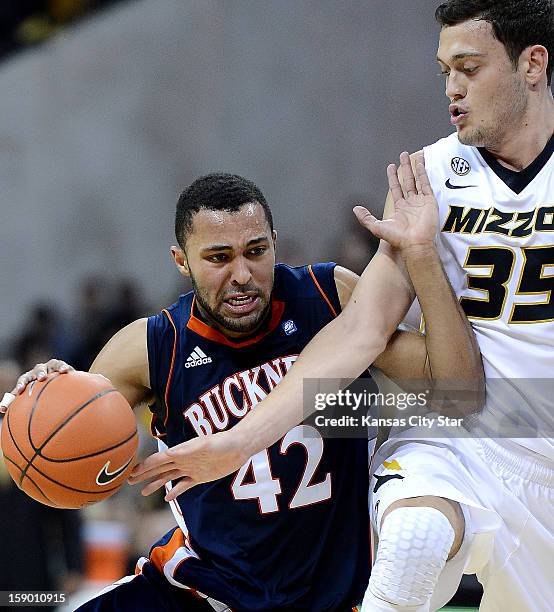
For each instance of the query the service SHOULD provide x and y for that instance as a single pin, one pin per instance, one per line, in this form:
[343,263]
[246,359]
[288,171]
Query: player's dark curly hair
[517,24]
[216,191]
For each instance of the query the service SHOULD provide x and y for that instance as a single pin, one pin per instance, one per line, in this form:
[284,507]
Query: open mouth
[242,303]
[239,301]
[456,114]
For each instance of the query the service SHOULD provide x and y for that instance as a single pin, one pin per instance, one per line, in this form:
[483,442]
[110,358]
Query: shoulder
[345,282]
[315,281]
[171,316]
[303,279]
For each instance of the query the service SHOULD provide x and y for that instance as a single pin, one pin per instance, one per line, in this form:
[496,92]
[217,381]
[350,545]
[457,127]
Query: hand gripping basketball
[69,440]
[39,372]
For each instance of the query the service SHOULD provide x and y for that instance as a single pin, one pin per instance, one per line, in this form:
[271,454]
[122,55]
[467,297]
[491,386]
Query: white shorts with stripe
[507,496]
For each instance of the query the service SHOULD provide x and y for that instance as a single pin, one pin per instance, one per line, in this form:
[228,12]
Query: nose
[455,90]
[240,271]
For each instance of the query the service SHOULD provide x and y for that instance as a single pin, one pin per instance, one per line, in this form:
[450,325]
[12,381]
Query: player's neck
[520,147]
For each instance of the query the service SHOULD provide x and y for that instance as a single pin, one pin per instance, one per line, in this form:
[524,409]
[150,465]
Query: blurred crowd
[45,548]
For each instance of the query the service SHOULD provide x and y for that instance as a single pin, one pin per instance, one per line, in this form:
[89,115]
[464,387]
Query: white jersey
[496,242]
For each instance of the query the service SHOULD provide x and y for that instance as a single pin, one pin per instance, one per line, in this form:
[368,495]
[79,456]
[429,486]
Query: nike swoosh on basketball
[451,186]
[105,476]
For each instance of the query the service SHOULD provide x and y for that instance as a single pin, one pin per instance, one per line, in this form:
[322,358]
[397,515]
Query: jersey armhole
[323,276]
[161,390]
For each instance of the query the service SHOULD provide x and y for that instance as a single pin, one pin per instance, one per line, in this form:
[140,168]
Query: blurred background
[108,110]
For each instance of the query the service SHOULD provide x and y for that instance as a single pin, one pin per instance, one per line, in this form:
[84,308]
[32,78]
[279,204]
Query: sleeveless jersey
[496,241]
[289,530]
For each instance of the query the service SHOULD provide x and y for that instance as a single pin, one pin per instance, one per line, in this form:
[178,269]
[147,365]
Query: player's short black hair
[216,191]
[517,24]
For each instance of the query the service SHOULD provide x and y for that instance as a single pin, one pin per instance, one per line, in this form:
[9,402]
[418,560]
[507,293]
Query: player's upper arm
[405,357]
[345,281]
[124,360]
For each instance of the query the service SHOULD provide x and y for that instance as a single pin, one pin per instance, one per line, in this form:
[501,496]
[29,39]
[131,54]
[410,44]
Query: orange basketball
[69,440]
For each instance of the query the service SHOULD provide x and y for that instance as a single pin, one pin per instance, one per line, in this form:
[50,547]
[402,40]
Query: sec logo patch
[460,166]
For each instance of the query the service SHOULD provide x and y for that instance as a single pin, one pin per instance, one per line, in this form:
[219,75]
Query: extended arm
[342,350]
[448,353]
[447,357]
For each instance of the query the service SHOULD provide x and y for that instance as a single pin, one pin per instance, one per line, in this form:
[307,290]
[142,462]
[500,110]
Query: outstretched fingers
[154,472]
[422,177]
[367,220]
[151,466]
[161,481]
[407,172]
[183,485]
[394,183]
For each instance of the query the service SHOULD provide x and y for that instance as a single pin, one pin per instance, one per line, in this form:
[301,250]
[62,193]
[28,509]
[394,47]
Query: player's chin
[469,136]
[244,322]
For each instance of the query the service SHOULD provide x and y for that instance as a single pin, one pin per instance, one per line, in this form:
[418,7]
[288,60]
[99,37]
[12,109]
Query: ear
[535,60]
[274,238]
[180,260]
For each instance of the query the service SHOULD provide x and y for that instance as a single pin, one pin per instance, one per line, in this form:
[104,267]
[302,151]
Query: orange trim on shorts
[138,570]
[200,328]
[160,555]
[172,364]
[153,431]
[321,291]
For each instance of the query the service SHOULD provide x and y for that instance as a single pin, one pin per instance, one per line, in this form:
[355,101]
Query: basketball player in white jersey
[494,183]
[465,504]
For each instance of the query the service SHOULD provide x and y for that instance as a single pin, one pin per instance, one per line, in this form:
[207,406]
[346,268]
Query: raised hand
[414,222]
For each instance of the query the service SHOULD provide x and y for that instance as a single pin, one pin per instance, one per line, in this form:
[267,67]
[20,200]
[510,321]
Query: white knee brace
[414,543]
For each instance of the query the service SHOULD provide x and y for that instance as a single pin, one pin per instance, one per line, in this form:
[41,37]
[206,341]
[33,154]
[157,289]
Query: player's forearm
[341,350]
[454,356]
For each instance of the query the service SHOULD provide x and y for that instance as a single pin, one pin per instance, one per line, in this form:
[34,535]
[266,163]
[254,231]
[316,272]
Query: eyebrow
[460,56]
[226,247]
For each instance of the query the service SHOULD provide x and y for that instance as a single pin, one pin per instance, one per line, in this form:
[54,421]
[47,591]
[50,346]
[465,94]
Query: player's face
[230,259]
[488,97]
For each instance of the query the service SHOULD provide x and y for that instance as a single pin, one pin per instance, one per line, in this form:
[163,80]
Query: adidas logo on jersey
[196,358]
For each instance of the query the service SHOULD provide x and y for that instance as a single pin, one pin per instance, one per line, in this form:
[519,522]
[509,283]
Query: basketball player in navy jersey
[486,502]
[289,530]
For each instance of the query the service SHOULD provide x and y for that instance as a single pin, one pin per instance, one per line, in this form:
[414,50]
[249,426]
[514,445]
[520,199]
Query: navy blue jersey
[290,529]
